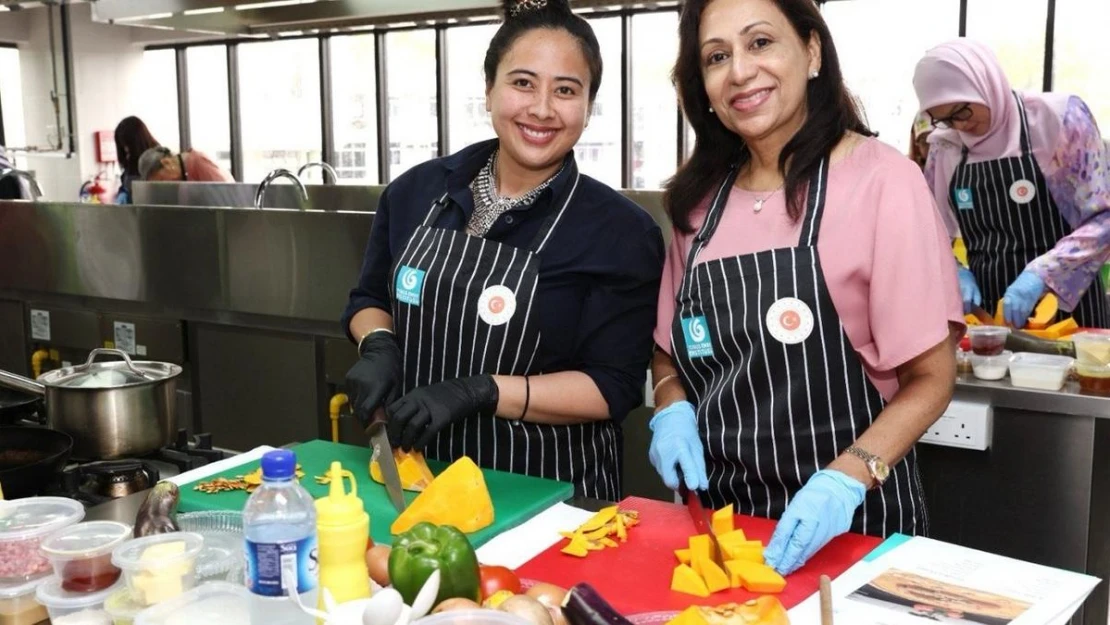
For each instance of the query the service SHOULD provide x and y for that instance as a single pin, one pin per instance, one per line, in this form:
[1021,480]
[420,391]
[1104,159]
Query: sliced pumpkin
[1044,313]
[458,497]
[972,320]
[683,556]
[1067,327]
[685,580]
[411,467]
[715,578]
[755,577]
[722,520]
[1000,314]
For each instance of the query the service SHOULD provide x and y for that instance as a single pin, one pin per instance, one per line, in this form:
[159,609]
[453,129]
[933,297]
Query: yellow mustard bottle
[342,528]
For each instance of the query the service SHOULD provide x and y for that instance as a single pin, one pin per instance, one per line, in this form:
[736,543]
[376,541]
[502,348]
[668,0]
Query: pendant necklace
[758,206]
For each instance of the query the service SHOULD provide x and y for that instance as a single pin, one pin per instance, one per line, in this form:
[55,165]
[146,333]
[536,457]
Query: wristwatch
[875,466]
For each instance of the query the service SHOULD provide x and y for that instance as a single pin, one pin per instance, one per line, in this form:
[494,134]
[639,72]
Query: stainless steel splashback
[351,198]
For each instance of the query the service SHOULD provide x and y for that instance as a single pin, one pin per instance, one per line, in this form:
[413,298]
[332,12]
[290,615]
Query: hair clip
[522,6]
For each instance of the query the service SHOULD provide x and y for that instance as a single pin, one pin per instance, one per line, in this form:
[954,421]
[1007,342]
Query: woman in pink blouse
[809,305]
[1023,178]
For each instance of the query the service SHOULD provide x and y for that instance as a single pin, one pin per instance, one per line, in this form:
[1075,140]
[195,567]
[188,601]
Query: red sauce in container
[89,574]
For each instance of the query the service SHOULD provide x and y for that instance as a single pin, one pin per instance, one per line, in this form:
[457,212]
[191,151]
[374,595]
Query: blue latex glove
[819,512]
[675,441]
[1022,297]
[969,289]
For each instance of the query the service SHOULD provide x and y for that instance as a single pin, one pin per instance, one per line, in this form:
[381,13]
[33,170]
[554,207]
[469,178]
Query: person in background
[132,139]
[505,304]
[808,313]
[160,164]
[919,139]
[1024,178]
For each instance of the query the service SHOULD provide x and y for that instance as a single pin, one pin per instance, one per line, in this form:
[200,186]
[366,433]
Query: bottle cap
[278,464]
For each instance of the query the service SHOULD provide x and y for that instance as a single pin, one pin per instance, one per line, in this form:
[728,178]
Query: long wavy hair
[132,139]
[831,112]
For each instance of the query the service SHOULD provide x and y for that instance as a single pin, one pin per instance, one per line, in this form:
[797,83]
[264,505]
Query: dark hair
[522,16]
[831,113]
[132,134]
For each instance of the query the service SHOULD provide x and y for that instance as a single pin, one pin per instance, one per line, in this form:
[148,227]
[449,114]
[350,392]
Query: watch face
[880,470]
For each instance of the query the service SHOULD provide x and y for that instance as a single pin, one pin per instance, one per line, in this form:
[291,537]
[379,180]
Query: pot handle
[20,383]
[113,352]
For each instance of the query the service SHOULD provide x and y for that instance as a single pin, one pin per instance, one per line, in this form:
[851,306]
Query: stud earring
[711,109]
[814,74]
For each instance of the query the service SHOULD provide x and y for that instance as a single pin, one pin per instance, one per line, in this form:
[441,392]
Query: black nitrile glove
[416,418]
[375,380]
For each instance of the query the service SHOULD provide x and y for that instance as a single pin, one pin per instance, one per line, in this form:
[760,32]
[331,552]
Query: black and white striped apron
[1008,218]
[779,390]
[464,305]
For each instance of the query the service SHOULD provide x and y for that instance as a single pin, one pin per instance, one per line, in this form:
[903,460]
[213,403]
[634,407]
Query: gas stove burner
[187,455]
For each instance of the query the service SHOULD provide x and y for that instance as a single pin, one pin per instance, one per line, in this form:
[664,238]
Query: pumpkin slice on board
[413,470]
[458,497]
[1044,313]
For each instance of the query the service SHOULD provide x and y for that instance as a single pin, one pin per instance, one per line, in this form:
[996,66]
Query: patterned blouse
[489,205]
[1078,178]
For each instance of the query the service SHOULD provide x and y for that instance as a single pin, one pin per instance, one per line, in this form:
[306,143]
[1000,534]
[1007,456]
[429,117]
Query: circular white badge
[496,305]
[790,320]
[1023,191]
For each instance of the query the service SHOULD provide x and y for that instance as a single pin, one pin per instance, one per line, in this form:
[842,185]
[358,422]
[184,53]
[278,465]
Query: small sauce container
[24,524]
[159,567]
[991,367]
[82,554]
[1093,379]
[18,605]
[988,340]
[73,608]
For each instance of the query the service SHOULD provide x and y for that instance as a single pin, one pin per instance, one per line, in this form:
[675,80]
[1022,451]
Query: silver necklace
[758,206]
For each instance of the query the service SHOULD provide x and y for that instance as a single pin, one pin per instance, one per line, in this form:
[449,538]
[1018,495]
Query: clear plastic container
[209,521]
[211,603]
[991,367]
[988,340]
[24,523]
[1093,379]
[73,608]
[222,556]
[82,554]
[159,567]
[472,617]
[122,606]
[18,605]
[1092,349]
[1040,371]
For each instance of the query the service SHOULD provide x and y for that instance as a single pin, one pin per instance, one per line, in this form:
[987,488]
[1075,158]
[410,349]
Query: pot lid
[110,374]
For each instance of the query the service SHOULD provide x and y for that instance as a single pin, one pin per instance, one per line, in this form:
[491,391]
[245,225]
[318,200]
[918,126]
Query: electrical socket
[965,423]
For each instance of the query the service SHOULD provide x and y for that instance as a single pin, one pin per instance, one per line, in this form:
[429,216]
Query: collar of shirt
[464,165]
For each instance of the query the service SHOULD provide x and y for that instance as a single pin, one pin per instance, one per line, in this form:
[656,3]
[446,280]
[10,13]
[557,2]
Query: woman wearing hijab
[808,307]
[1024,178]
[505,304]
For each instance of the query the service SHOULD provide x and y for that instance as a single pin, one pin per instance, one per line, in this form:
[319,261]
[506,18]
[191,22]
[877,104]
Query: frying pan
[15,405]
[30,457]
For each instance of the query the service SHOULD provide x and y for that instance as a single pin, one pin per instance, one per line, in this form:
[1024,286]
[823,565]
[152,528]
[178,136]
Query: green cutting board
[516,498]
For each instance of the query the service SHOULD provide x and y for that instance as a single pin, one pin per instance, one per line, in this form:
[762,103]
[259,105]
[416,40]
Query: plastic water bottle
[279,522]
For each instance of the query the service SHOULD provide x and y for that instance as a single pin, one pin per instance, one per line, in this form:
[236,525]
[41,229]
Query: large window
[354,109]
[883,83]
[1080,56]
[411,73]
[467,118]
[599,150]
[158,97]
[279,85]
[11,98]
[1015,30]
[209,126]
[654,103]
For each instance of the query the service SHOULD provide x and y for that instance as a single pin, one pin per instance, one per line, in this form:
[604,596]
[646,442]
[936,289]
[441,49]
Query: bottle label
[269,563]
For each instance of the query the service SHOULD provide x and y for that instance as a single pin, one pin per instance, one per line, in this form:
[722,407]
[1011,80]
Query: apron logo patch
[496,305]
[790,320]
[1023,191]
[698,343]
[410,282]
[964,200]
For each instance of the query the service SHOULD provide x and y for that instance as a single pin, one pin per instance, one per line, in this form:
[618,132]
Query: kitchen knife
[383,452]
[983,316]
[701,518]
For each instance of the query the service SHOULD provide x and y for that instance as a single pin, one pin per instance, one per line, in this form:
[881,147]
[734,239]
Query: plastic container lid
[1091,348]
[1042,361]
[222,553]
[37,516]
[85,539]
[278,464]
[211,602]
[475,617]
[987,331]
[51,595]
[22,589]
[128,555]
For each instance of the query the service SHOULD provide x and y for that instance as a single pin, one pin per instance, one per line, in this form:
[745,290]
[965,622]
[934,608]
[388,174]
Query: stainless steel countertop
[1002,394]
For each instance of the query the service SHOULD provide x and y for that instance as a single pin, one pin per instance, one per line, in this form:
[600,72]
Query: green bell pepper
[427,547]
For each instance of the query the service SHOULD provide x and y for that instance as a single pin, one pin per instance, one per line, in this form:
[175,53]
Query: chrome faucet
[260,194]
[36,190]
[322,165]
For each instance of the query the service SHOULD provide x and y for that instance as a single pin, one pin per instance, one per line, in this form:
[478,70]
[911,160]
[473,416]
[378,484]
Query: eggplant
[156,514]
[584,606]
[1018,341]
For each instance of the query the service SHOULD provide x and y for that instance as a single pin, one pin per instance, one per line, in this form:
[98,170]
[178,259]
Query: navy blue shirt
[598,274]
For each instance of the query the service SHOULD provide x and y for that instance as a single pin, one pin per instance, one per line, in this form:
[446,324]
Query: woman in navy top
[505,305]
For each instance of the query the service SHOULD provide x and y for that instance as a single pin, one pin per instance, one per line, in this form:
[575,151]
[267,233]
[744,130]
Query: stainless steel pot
[111,409]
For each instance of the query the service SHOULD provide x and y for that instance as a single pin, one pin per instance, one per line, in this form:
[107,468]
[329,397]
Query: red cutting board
[636,576]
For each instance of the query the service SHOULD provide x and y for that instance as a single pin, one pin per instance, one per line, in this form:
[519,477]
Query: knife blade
[701,519]
[983,316]
[383,452]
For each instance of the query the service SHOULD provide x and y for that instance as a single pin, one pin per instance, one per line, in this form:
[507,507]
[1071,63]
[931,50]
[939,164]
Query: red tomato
[495,578]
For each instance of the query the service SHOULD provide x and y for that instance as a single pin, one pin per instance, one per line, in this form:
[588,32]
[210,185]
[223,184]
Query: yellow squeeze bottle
[342,528]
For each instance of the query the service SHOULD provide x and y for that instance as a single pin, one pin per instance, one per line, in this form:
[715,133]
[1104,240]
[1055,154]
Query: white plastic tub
[211,603]
[991,367]
[24,524]
[160,567]
[73,608]
[1039,371]
[18,605]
